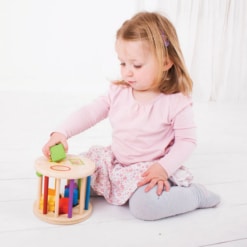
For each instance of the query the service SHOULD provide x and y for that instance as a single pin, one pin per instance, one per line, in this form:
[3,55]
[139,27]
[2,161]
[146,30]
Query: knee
[142,204]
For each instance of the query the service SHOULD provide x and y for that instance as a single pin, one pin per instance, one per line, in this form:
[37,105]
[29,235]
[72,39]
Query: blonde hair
[162,38]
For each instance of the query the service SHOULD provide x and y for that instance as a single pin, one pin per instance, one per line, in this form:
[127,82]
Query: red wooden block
[63,205]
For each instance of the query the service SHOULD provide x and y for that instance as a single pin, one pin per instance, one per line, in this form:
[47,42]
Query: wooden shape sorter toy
[63,189]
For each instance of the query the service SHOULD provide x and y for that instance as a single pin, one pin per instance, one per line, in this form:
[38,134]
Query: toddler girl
[153,129]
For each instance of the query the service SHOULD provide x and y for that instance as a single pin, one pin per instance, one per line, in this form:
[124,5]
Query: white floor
[220,163]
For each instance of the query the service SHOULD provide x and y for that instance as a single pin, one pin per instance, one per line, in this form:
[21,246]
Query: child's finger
[65,145]
[160,187]
[167,186]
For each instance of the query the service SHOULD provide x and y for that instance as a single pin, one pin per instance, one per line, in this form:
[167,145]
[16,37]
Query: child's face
[139,66]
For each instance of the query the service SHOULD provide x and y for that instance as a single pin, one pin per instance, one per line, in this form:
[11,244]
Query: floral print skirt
[117,182]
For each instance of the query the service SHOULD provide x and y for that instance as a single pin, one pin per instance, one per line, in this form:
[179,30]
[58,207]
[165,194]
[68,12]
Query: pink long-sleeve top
[162,129]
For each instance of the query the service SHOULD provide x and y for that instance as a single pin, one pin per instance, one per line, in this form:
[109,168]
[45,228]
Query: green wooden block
[38,174]
[57,153]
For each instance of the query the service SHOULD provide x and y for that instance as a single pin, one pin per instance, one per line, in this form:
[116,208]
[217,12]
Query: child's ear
[167,64]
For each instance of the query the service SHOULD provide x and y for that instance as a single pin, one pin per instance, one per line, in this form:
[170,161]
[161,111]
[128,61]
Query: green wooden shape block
[57,153]
[38,174]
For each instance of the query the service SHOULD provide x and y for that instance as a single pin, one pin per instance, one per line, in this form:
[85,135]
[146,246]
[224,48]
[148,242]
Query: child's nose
[129,71]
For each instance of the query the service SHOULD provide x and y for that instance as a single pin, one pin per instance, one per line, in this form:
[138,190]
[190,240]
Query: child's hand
[55,139]
[155,174]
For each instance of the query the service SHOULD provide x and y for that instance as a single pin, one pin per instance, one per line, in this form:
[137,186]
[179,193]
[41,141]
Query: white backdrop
[68,45]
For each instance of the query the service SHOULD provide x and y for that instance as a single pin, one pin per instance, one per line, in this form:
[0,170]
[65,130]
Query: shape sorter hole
[61,168]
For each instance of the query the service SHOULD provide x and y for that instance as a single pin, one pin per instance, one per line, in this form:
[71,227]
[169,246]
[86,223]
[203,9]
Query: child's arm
[85,117]
[77,122]
[184,141]
[183,146]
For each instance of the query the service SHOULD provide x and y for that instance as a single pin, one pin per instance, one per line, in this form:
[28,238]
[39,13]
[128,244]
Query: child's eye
[137,66]
[122,64]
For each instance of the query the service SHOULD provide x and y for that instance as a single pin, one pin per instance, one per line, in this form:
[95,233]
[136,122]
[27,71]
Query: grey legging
[179,200]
